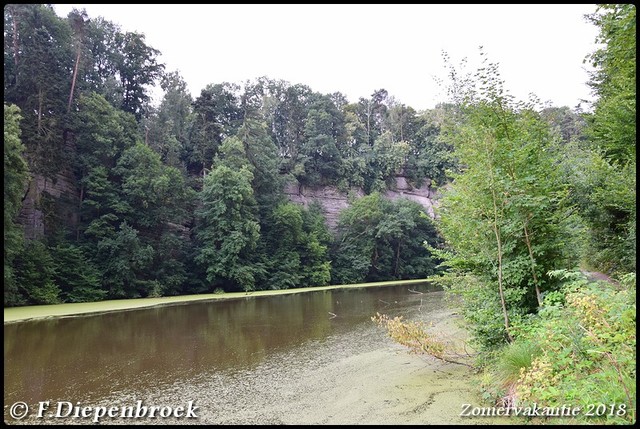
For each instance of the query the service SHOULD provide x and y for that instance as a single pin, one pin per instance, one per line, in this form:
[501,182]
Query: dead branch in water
[414,336]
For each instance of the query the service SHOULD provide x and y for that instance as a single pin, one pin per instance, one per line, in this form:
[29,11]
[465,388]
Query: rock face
[423,195]
[330,198]
[40,197]
[334,201]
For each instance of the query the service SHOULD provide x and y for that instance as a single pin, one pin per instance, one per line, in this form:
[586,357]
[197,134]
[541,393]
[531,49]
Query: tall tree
[78,24]
[15,179]
[138,69]
[324,129]
[613,124]
[217,115]
[40,81]
[605,183]
[168,130]
[228,229]
[503,214]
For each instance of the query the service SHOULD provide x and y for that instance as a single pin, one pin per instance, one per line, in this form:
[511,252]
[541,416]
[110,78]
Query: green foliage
[603,172]
[612,127]
[152,193]
[514,359]
[216,115]
[296,255]
[321,158]
[34,275]
[380,239]
[15,177]
[262,155]
[228,231]
[168,130]
[76,276]
[588,351]
[430,157]
[37,80]
[605,195]
[505,215]
[137,69]
[123,259]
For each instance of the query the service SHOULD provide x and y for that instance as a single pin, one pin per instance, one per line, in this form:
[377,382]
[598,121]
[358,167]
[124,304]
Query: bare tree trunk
[79,207]
[73,81]
[500,286]
[533,266]
[14,22]
[369,122]
[40,102]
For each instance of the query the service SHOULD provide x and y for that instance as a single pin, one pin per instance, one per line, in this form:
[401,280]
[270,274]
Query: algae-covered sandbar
[17,314]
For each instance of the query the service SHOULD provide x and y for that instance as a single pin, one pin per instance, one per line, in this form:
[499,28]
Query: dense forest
[108,195]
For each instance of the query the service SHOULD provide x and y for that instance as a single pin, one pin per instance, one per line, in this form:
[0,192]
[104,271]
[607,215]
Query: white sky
[356,49]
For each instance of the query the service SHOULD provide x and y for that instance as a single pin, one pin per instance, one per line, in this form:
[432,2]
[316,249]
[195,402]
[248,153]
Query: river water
[305,358]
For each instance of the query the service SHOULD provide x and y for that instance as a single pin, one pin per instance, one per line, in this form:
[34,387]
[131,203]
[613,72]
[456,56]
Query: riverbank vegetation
[531,220]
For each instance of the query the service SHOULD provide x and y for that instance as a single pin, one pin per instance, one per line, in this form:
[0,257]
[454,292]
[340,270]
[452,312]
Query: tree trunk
[397,260]
[500,286]
[533,266]
[73,80]
[14,22]
[40,102]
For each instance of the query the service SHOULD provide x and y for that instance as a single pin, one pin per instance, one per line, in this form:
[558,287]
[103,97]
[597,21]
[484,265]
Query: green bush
[588,352]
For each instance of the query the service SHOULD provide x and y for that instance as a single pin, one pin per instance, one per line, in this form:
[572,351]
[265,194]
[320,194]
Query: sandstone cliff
[333,201]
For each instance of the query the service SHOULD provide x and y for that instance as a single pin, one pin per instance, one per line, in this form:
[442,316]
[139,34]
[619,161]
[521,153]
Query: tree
[34,272]
[15,179]
[380,240]
[388,159]
[295,242]
[138,68]
[124,261]
[262,155]
[76,276]
[613,124]
[605,181]
[217,115]
[78,23]
[323,130]
[288,123]
[430,157]
[38,81]
[152,194]
[102,134]
[168,130]
[228,229]
[504,213]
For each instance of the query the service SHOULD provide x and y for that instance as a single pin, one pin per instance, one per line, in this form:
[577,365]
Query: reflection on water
[90,358]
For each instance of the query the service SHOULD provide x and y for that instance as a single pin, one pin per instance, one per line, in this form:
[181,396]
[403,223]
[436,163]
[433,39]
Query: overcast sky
[356,49]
